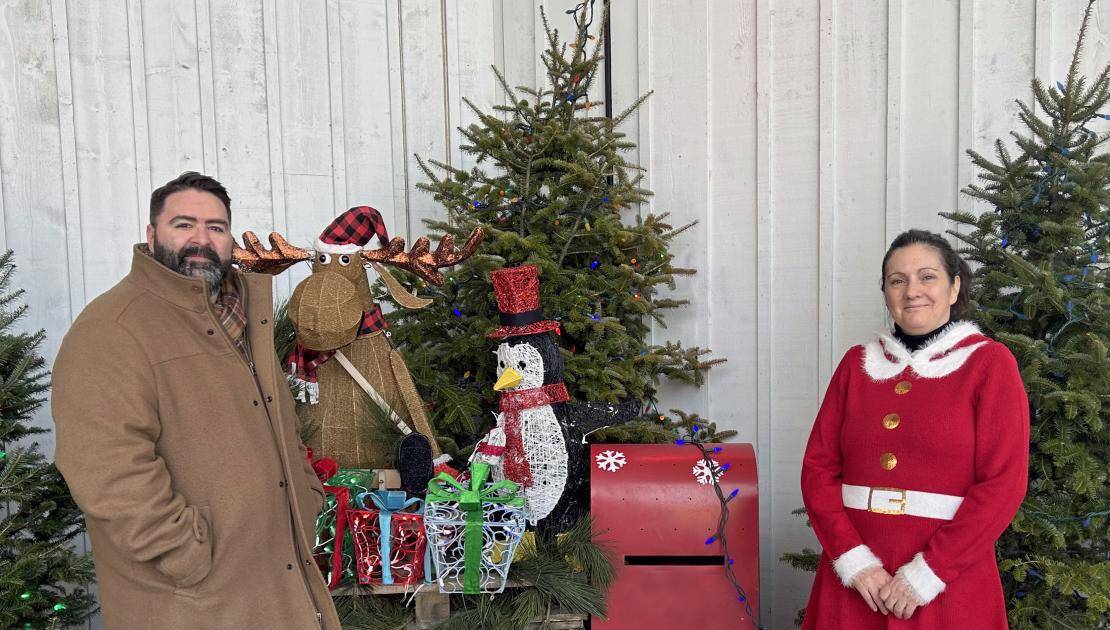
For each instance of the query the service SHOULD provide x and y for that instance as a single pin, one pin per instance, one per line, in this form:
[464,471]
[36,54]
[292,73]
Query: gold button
[902,387]
[891,421]
[889,461]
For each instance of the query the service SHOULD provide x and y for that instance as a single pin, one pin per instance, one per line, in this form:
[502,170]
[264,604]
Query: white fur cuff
[853,561]
[921,578]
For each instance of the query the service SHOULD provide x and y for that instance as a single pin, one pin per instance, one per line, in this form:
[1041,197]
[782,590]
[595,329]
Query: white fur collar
[885,357]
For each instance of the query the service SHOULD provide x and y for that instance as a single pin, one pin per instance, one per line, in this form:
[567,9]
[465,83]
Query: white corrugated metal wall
[802,134]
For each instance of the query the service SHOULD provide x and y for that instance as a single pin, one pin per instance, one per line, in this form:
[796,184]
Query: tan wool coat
[186,460]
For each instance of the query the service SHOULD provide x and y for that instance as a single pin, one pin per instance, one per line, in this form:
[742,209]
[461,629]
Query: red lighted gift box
[656,506]
[404,548]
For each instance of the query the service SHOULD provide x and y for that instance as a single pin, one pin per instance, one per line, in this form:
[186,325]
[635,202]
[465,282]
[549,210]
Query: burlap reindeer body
[343,354]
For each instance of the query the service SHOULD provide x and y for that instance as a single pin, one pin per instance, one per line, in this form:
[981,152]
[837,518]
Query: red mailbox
[656,506]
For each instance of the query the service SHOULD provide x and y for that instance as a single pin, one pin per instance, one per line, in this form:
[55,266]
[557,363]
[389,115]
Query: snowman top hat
[518,299]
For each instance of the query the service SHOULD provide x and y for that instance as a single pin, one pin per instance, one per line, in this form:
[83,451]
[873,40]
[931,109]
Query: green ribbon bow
[444,488]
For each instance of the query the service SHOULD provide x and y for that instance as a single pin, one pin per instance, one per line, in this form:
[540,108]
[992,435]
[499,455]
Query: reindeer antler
[420,260]
[256,258]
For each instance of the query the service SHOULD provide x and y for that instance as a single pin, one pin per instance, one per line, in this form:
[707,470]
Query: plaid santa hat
[352,232]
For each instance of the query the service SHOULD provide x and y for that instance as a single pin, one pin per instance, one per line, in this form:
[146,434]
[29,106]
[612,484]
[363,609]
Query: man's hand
[899,598]
[869,583]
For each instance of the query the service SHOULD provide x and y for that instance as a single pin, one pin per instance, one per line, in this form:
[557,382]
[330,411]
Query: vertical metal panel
[240,108]
[927,93]
[857,234]
[794,201]
[680,148]
[309,94]
[173,100]
[31,187]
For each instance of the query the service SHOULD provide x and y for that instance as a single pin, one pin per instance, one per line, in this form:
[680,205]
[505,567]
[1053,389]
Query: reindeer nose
[326,311]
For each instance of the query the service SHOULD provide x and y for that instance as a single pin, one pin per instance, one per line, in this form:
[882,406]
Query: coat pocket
[192,586]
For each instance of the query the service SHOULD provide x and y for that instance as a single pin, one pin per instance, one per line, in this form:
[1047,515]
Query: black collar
[913,343]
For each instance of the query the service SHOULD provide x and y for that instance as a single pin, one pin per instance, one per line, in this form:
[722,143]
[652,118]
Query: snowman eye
[521,364]
[344,260]
[324,259]
[501,364]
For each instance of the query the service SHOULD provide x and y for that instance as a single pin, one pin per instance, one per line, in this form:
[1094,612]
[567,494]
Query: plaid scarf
[232,317]
[303,362]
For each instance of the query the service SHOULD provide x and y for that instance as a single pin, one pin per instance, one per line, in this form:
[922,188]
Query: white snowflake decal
[705,475]
[611,461]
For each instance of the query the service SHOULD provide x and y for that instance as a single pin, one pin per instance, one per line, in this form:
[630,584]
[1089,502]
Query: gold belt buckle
[900,502]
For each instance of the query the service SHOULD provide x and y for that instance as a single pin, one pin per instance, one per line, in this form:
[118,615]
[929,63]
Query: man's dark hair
[185,181]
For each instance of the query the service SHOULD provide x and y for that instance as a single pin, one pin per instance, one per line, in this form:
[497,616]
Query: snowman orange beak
[509,379]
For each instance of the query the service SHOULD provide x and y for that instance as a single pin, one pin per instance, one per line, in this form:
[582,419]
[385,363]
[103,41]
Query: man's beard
[213,271]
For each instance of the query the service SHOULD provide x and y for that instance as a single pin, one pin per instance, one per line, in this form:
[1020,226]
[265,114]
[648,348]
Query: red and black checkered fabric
[356,227]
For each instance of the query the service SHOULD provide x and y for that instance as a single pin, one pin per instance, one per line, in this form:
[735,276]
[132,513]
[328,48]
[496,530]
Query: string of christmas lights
[720,536]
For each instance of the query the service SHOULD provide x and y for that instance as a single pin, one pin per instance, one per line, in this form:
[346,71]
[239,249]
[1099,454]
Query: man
[177,436]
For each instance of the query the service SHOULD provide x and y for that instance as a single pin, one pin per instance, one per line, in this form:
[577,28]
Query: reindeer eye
[324,258]
[344,260]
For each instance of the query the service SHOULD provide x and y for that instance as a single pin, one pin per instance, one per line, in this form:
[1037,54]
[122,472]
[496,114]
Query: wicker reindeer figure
[342,354]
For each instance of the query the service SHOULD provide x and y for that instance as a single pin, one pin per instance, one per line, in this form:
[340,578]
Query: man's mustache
[197,250]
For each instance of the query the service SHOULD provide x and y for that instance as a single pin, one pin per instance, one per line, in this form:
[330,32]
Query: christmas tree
[1040,288]
[40,574]
[552,187]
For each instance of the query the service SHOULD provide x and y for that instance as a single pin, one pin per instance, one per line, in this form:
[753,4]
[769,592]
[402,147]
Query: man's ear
[150,237]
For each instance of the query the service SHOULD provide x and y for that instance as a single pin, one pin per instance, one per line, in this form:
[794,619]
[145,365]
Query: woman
[918,459]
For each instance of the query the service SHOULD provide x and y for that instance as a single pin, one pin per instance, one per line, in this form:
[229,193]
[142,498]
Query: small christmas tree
[41,576]
[549,189]
[1041,289]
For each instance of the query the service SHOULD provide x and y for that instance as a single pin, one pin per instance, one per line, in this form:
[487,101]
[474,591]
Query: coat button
[211,332]
[255,402]
[289,566]
[269,399]
[888,461]
[902,387]
[265,321]
[891,421]
[281,484]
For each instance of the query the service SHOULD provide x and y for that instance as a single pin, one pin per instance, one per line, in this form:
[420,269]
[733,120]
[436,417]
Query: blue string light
[722,522]
[457,312]
[594,264]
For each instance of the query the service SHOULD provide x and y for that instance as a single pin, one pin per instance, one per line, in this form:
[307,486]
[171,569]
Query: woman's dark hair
[953,265]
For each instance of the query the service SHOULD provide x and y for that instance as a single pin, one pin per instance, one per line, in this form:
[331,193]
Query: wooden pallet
[433,607]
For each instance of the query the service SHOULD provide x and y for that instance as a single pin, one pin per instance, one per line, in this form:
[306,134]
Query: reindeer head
[329,307]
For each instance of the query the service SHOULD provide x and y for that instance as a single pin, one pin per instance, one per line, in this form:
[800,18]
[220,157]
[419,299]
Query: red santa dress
[917,462]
